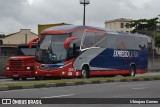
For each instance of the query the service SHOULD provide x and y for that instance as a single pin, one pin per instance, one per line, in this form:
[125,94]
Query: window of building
[127,26]
[122,25]
[114,25]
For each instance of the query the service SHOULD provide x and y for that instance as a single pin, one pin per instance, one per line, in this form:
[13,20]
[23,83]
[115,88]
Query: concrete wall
[116,24]
[3,61]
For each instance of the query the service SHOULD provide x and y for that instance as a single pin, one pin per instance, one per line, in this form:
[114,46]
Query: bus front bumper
[19,74]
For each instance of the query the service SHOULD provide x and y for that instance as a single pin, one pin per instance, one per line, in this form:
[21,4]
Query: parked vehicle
[21,65]
[84,51]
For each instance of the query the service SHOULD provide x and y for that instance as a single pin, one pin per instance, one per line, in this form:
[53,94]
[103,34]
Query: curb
[31,86]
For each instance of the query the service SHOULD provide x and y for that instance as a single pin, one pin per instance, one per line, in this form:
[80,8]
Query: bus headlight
[63,73]
[37,67]
[28,68]
[7,68]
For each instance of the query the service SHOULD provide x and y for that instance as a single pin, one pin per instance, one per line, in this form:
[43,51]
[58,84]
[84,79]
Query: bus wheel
[132,71]
[15,78]
[85,72]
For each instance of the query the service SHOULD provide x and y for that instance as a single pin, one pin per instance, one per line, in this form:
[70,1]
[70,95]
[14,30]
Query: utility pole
[84,3]
[26,39]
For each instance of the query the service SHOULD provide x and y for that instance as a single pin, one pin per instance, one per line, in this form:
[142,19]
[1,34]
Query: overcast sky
[27,14]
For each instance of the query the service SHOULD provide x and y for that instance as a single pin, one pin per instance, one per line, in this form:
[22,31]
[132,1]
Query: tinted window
[57,46]
[141,43]
[26,51]
[102,43]
[125,42]
[88,40]
[78,33]
[94,39]
[100,40]
[51,49]
[112,41]
[45,41]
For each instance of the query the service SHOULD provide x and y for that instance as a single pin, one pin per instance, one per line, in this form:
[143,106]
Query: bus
[85,51]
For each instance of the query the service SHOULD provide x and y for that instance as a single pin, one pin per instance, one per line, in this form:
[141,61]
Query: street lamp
[84,3]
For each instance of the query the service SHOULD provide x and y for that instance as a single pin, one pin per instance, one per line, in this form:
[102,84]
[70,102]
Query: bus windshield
[51,49]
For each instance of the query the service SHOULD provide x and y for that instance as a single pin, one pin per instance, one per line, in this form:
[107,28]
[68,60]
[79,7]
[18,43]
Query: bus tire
[85,72]
[132,71]
[15,78]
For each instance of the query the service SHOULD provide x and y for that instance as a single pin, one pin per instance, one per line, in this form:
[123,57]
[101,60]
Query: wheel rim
[84,74]
[132,72]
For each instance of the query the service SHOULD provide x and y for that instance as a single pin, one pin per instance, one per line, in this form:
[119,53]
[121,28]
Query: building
[8,43]
[21,37]
[118,24]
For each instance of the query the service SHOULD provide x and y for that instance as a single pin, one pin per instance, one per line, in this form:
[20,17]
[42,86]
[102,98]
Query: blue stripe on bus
[121,59]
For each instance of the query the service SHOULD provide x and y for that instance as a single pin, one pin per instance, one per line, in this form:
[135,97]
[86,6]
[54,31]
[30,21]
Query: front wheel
[85,72]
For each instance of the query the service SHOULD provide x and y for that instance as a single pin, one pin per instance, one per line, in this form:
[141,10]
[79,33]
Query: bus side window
[141,43]
[78,33]
[111,41]
[89,40]
[100,40]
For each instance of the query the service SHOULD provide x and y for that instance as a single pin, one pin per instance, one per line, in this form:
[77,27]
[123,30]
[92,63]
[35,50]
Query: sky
[27,14]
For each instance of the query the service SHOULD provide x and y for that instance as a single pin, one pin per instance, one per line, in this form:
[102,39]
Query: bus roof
[71,28]
[110,31]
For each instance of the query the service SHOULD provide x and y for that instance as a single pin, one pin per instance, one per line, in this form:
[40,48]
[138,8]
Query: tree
[144,26]
[157,40]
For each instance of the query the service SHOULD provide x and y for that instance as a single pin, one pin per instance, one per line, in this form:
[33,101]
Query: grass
[108,79]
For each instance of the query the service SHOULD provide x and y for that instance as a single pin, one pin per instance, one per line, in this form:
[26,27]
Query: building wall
[118,24]
[25,35]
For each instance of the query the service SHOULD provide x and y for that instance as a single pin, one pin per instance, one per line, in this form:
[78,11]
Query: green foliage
[143,25]
[157,40]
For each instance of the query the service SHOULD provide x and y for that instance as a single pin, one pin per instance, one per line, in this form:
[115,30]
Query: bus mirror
[33,41]
[68,40]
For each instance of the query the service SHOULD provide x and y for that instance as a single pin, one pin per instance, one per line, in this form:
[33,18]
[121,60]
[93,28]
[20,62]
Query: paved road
[32,79]
[143,89]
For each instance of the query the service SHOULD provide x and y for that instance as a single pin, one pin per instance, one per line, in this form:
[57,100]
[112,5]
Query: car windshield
[51,49]
[26,51]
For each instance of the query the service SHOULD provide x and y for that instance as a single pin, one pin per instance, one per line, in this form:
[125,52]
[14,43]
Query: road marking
[140,88]
[59,96]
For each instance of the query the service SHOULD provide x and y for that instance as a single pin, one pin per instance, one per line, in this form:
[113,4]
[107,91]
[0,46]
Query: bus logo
[125,54]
